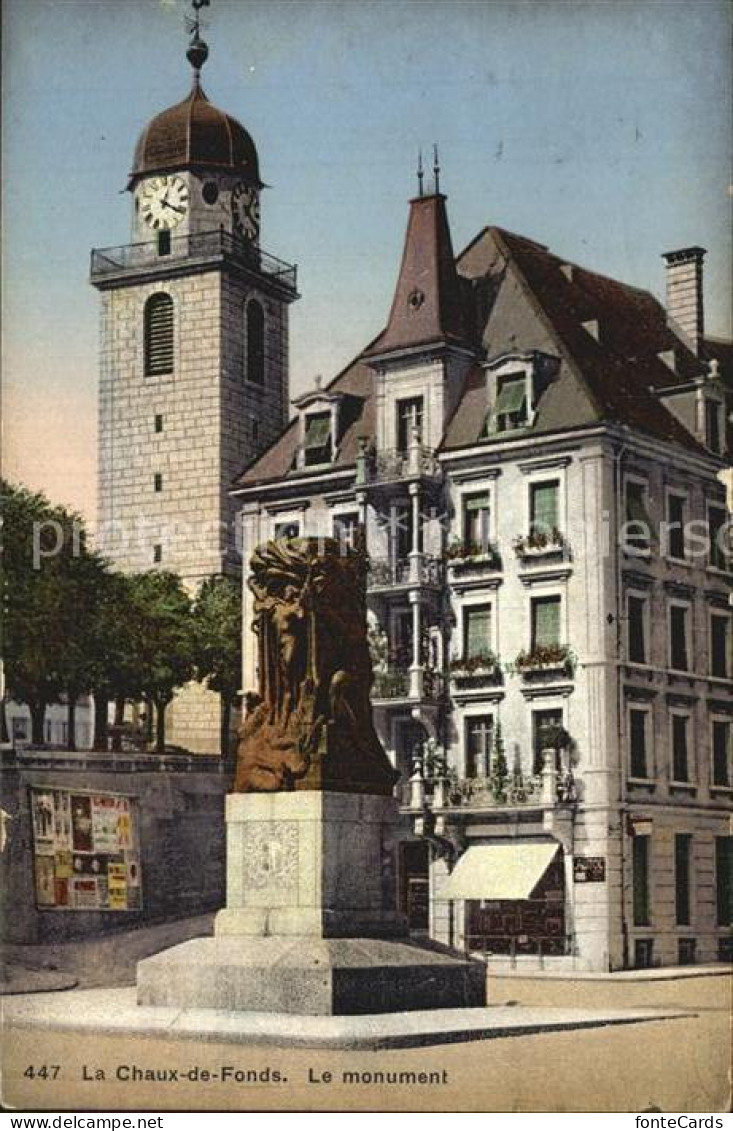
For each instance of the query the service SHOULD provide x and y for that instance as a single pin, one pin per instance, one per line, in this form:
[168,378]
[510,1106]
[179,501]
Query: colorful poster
[62,820]
[81,822]
[42,814]
[84,894]
[44,871]
[105,816]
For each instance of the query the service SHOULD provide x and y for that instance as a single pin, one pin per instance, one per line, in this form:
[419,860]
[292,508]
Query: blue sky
[600,129]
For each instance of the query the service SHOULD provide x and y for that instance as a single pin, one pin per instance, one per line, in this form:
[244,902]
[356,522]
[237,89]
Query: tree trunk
[226,710]
[4,734]
[119,720]
[38,718]
[149,709]
[71,720]
[160,728]
[101,705]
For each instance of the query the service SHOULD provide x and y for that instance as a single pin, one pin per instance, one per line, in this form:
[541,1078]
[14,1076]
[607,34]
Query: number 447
[43,1072]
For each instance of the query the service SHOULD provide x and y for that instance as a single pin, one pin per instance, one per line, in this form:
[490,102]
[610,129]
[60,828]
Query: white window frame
[465,491]
[679,712]
[716,717]
[720,614]
[719,505]
[630,550]
[647,710]
[541,594]
[679,493]
[640,595]
[676,602]
[475,600]
[476,711]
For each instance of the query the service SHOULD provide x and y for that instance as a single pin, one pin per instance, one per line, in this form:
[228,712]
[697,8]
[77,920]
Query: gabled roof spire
[426,308]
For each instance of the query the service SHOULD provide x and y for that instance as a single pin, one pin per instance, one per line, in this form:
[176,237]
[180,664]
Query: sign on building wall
[589,869]
[86,855]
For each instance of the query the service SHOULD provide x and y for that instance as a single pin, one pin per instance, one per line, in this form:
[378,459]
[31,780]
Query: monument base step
[314,976]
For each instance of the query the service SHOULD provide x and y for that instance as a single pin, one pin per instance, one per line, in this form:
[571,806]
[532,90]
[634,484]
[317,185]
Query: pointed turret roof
[426,307]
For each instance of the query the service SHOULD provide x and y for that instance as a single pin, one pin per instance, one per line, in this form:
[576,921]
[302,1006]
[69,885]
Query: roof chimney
[684,293]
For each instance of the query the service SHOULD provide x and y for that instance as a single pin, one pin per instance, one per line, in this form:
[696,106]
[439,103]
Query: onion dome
[195,134]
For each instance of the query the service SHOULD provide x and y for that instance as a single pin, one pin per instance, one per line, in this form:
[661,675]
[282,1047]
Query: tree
[499,768]
[39,542]
[163,646]
[218,644]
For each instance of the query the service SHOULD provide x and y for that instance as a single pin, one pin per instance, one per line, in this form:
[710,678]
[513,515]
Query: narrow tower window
[255,342]
[158,335]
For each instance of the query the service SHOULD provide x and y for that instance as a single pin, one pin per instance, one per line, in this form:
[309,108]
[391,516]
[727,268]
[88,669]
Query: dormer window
[317,446]
[510,410]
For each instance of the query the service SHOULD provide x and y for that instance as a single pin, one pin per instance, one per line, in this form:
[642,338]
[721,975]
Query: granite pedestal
[311,924]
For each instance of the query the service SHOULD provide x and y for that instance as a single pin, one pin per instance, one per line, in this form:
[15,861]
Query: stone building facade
[552,664]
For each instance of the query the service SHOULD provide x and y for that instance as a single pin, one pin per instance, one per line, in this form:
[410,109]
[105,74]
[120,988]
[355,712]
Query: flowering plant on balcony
[390,684]
[472,665]
[545,656]
[465,549]
[538,541]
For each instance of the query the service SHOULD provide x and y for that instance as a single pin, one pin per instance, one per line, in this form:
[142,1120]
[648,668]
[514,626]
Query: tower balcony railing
[391,573]
[217,245]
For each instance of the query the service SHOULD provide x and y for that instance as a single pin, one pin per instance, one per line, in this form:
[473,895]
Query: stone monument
[311,923]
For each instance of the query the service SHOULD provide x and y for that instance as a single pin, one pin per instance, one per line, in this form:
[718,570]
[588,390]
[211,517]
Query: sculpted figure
[309,725]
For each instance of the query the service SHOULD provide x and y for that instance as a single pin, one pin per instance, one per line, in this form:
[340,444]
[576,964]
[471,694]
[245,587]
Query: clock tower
[194,355]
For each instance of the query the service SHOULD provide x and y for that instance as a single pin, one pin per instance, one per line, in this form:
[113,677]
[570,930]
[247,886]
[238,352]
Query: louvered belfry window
[158,335]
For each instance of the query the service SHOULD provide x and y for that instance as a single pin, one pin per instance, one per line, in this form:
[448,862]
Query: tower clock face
[164,201]
[246,211]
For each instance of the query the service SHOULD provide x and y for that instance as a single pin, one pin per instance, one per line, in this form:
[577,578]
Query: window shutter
[478,631]
[544,507]
[512,397]
[547,622]
[158,335]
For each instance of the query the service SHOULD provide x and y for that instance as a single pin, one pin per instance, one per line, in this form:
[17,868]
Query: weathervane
[420,173]
[198,51]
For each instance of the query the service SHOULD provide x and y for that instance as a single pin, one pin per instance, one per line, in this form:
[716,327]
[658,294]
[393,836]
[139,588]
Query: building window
[158,334]
[682,855]
[643,954]
[476,520]
[476,631]
[409,421]
[543,507]
[346,530]
[479,739]
[638,524]
[721,753]
[317,444]
[544,728]
[686,951]
[157,482]
[157,553]
[164,242]
[641,895]
[680,748]
[724,880]
[545,622]
[717,522]
[287,530]
[719,646]
[678,651]
[158,422]
[636,607]
[254,366]
[676,526]
[510,410]
[638,743]
[712,425]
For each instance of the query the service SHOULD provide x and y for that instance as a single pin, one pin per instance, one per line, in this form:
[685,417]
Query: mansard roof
[615,349]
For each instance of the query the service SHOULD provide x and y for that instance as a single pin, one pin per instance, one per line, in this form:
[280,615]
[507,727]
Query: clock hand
[167,204]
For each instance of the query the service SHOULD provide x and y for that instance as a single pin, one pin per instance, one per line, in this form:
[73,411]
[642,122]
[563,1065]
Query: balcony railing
[390,465]
[451,794]
[410,685]
[388,573]
[218,244]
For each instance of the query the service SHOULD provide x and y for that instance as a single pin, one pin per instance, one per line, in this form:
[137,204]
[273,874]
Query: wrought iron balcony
[391,465]
[401,684]
[388,573]
[109,263]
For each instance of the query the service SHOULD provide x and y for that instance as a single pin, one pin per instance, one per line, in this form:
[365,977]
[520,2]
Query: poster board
[86,854]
